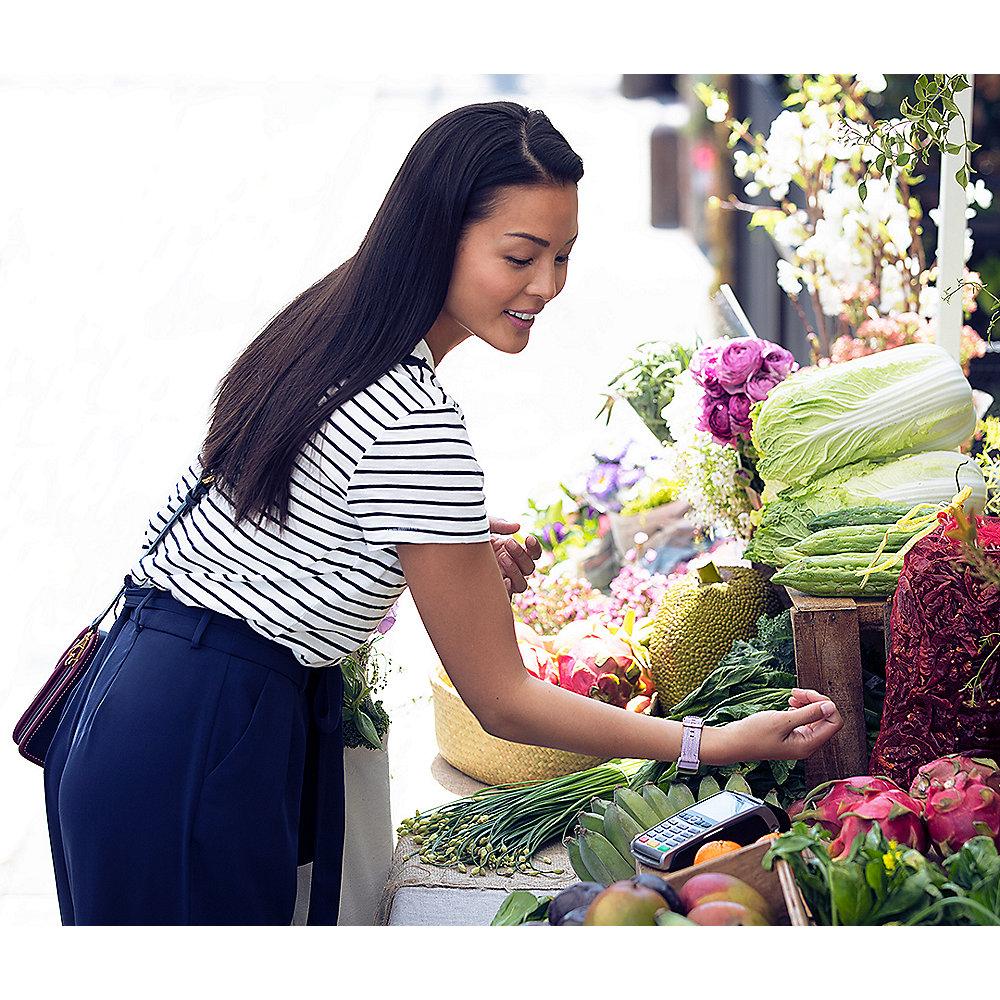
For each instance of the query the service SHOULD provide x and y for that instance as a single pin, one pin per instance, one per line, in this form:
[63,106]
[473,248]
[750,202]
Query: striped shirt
[392,464]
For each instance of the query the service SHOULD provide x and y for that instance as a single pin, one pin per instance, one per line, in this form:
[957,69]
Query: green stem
[709,573]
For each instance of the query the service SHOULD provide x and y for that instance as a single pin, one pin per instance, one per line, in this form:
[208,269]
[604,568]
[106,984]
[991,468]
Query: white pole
[951,229]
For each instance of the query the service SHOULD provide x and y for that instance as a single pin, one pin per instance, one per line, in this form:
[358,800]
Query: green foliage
[520,907]
[654,494]
[989,461]
[580,523]
[925,122]
[365,721]
[757,675]
[647,383]
[881,882]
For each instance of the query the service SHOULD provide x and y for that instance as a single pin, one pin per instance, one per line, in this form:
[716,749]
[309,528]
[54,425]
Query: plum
[575,918]
[571,898]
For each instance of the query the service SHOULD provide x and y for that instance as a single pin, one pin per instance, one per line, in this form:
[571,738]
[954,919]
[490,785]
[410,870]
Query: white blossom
[788,278]
[930,301]
[718,110]
[791,230]
[979,194]
[875,82]
[891,296]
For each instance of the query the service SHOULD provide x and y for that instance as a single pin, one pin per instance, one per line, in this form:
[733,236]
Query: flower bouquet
[709,416]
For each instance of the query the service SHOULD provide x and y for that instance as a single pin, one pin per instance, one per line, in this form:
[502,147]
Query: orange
[767,837]
[715,849]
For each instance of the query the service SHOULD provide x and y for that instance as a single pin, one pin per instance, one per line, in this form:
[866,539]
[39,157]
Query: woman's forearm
[542,714]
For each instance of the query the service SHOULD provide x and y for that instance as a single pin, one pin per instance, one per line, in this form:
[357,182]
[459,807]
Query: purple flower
[720,423]
[602,481]
[554,533]
[739,412]
[629,477]
[739,359]
[388,621]
[601,456]
[776,361]
[704,368]
[759,385]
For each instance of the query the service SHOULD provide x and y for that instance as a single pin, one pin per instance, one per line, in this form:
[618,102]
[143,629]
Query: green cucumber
[838,576]
[876,513]
[852,538]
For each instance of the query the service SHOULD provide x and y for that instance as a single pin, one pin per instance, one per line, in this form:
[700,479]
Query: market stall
[831,526]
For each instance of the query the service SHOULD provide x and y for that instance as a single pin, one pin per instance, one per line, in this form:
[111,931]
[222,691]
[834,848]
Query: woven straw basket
[466,745]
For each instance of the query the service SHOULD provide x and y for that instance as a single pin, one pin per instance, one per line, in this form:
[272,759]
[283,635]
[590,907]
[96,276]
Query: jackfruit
[697,621]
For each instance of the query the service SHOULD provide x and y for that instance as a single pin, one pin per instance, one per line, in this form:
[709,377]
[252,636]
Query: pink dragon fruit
[538,661]
[842,797]
[599,665]
[897,814]
[960,798]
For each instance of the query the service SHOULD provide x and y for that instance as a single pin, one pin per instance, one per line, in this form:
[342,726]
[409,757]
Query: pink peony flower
[739,412]
[719,423]
[704,368]
[759,385]
[776,361]
[740,359]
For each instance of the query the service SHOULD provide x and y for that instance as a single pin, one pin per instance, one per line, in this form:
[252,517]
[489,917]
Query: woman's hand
[516,562]
[792,735]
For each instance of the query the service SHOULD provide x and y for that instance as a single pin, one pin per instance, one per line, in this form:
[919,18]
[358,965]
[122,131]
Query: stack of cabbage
[846,451]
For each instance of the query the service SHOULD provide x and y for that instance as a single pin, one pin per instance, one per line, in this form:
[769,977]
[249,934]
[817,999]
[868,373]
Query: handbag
[37,725]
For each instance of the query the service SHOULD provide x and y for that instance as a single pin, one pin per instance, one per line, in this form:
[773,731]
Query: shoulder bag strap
[196,492]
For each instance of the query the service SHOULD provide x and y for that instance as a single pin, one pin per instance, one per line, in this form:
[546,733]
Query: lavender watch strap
[689,760]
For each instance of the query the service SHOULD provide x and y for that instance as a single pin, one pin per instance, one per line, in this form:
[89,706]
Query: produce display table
[827,633]
[422,894]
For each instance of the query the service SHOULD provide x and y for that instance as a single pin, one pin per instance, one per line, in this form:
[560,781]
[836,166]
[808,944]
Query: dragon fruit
[599,665]
[897,814]
[960,798]
[537,659]
[842,797]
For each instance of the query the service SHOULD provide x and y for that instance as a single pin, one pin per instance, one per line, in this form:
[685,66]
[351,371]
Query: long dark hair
[356,323]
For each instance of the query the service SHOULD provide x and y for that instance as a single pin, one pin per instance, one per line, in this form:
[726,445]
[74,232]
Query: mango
[713,887]
[624,904]
[720,913]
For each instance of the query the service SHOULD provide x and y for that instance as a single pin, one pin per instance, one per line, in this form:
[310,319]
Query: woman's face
[513,262]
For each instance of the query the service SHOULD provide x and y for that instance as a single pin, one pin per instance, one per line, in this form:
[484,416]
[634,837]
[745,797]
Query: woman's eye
[562,260]
[519,263]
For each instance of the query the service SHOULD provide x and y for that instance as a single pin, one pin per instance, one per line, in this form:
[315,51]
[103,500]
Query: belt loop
[200,629]
[137,614]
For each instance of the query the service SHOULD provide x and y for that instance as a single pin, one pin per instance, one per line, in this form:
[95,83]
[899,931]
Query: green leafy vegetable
[909,399]
[880,882]
[520,907]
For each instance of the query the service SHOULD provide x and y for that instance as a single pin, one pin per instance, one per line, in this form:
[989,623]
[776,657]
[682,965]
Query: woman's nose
[543,284]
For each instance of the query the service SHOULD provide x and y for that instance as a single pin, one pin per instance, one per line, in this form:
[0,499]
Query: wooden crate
[827,633]
[777,886]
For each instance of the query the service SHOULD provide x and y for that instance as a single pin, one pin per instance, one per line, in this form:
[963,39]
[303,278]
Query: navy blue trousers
[193,768]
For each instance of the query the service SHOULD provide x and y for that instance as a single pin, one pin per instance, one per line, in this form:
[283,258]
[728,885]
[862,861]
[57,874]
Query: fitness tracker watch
[689,760]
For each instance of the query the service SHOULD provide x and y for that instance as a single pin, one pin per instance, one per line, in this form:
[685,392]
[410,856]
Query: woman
[201,759]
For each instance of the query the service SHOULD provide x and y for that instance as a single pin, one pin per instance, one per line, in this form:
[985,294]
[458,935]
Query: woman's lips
[518,323]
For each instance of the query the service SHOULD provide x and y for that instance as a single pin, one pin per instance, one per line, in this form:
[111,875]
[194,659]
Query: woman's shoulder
[408,397]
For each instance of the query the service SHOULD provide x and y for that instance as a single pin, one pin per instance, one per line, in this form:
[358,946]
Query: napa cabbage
[908,399]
